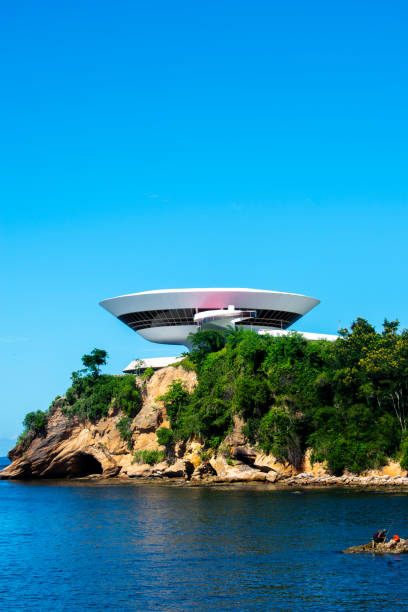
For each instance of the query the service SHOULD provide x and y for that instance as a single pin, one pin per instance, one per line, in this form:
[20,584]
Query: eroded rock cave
[84,465]
[78,465]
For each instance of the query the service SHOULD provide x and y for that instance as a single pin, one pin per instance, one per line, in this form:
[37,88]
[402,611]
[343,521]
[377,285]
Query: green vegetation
[165,437]
[205,455]
[175,400]
[90,396]
[128,397]
[347,400]
[35,424]
[147,374]
[94,361]
[92,393]
[185,363]
[123,425]
[151,457]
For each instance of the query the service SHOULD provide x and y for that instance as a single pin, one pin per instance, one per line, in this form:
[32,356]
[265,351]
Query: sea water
[80,545]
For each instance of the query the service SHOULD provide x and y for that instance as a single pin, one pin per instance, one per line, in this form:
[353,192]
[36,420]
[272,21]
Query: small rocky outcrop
[391,547]
[69,449]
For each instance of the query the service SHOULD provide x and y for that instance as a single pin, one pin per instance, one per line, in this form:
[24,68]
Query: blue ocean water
[93,546]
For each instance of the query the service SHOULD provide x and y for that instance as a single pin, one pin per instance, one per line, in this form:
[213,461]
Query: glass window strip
[185,316]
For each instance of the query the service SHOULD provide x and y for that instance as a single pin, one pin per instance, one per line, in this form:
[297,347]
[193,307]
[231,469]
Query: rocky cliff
[74,448]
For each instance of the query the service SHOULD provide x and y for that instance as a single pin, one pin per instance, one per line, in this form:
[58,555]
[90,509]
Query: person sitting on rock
[379,537]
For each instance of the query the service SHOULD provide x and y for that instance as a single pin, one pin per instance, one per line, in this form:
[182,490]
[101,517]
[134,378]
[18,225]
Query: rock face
[69,449]
[73,448]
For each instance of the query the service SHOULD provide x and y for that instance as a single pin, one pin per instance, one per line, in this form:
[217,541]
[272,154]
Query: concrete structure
[169,316]
[152,362]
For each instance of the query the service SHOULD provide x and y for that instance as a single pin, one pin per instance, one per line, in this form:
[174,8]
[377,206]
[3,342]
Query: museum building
[169,316]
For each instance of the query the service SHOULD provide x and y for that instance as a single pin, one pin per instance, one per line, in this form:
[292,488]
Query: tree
[36,422]
[93,361]
[385,369]
[278,434]
[166,438]
[138,365]
[175,400]
[204,342]
[128,396]
[123,425]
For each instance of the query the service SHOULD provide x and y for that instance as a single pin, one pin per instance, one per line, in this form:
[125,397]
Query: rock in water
[395,548]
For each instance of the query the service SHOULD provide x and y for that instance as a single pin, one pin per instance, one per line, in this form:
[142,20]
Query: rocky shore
[309,480]
[71,448]
[391,547]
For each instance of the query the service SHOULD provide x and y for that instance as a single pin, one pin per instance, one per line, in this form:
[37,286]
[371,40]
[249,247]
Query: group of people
[380,537]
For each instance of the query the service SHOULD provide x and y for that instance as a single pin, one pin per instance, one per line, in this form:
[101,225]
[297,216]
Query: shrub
[204,342]
[165,437]
[187,364]
[205,455]
[24,440]
[123,425]
[277,435]
[404,452]
[36,422]
[147,374]
[129,397]
[151,457]
[91,397]
[175,400]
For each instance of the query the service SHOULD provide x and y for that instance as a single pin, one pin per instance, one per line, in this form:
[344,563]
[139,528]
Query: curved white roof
[166,316]
[209,298]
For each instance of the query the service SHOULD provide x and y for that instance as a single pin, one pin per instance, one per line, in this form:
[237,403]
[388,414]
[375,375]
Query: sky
[154,145]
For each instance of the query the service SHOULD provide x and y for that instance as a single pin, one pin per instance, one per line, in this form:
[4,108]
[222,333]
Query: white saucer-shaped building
[168,316]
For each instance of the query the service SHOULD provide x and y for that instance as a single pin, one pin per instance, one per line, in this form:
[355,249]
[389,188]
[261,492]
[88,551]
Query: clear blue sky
[151,145]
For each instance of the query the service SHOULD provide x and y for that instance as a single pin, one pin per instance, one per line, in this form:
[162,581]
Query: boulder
[138,470]
[239,472]
[149,419]
[272,476]
[179,469]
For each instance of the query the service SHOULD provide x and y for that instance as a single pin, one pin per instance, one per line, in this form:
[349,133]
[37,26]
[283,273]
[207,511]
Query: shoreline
[293,483]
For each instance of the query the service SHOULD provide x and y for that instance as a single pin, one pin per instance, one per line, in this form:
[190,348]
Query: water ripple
[79,546]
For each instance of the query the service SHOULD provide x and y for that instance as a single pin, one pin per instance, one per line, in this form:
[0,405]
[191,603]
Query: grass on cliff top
[91,397]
